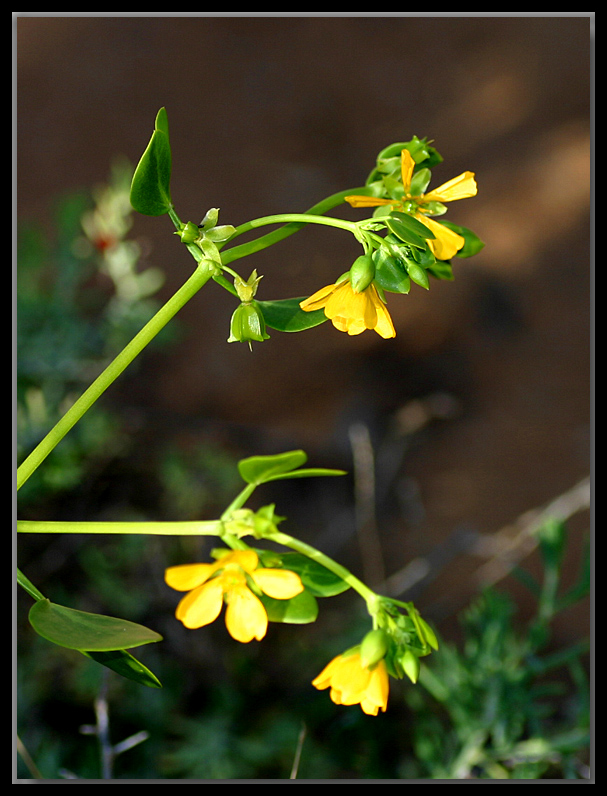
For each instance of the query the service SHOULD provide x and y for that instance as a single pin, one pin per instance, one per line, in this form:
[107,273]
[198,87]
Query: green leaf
[150,187]
[259,469]
[413,225]
[389,274]
[299,610]
[308,472]
[472,245]
[285,315]
[79,630]
[29,587]
[441,270]
[317,579]
[123,663]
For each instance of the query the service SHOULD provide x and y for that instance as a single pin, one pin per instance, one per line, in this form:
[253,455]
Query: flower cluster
[445,243]
[354,305]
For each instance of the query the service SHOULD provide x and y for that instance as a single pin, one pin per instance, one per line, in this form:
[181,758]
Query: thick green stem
[200,276]
[186,528]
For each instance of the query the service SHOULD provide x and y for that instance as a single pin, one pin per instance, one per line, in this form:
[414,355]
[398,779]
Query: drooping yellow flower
[351,683]
[352,312]
[446,243]
[209,585]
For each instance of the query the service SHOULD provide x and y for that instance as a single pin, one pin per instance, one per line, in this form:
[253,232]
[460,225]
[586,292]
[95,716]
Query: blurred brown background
[479,410]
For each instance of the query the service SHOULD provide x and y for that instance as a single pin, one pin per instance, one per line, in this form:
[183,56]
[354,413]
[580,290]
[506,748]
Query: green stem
[365,592]
[236,252]
[186,528]
[29,587]
[239,501]
[200,276]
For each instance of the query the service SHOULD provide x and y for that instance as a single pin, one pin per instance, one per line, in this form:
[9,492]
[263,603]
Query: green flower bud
[248,324]
[189,233]
[373,647]
[410,664]
[362,273]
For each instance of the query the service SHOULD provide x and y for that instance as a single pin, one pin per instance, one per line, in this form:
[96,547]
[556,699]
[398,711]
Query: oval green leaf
[403,233]
[389,274]
[150,187]
[79,630]
[299,610]
[123,663]
[259,469]
[413,225]
[285,315]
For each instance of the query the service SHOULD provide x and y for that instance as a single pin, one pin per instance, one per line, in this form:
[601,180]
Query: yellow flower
[446,242]
[352,312]
[208,585]
[351,683]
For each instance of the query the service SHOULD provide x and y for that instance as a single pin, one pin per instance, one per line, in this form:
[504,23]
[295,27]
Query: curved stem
[365,592]
[236,252]
[200,276]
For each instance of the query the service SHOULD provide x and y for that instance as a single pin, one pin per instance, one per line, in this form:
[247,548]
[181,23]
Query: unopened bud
[373,647]
[410,664]
[362,273]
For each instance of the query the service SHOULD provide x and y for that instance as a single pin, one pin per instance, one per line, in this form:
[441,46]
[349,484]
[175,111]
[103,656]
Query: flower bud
[410,664]
[362,273]
[189,233]
[248,324]
[373,647]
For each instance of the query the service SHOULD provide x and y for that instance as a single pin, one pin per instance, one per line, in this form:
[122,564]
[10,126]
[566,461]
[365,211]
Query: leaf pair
[258,470]
[104,639]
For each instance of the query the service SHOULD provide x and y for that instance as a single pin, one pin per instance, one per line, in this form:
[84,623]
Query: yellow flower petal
[188,576]
[367,201]
[246,559]
[280,584]
[407,164]
[317,300]
[462,187]
[202,605]
[246,618]
[446,242]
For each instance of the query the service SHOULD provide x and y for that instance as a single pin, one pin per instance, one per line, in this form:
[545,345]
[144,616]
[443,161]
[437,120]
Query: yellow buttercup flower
[352,312]
[351,683]
[209,585]
[446,243]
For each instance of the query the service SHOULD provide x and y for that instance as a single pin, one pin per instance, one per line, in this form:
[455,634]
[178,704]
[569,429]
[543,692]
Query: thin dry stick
[364,494]
[28,760]
[503,549]
[511,544]
[296,759]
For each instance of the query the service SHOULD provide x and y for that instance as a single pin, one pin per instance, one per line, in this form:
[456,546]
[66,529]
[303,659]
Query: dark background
[271,115]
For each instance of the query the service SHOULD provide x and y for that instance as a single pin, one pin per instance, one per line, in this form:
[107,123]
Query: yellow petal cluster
[352,312]
[351,683]
[446,242]
[226,580]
